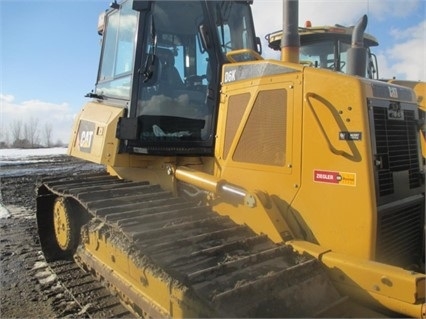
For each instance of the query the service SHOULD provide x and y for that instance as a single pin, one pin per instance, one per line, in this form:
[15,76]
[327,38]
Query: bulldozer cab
[162,60]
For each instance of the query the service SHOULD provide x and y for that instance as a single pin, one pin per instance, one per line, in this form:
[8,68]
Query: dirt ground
[24,290]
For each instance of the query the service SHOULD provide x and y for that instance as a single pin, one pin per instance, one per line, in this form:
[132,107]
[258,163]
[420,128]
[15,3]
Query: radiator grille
[399,184]
[400,234]
[236,108]
[264,135]
[396,149]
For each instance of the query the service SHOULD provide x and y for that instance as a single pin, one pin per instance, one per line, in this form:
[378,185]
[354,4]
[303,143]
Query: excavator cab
[160,58]
[327,47]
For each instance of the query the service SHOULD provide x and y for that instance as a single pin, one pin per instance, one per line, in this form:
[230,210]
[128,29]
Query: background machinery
[238,186]
[328,46]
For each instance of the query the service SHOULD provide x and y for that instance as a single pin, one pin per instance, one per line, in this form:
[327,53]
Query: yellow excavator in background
[238,186]
[327,47]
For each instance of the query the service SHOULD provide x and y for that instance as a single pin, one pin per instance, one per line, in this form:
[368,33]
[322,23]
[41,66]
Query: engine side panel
[93,137]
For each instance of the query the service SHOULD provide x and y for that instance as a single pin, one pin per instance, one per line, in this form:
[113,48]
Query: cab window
[234,26]
[117,57]
[326,54]
[173,103]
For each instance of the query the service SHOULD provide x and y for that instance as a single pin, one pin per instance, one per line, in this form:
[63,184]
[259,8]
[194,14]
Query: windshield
[162,60]
[333,55]
[117,58]
[177,99]
[327,55]
[173,102]
[234,26]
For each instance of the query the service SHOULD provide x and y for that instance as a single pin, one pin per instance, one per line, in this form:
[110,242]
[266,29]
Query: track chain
[235,271]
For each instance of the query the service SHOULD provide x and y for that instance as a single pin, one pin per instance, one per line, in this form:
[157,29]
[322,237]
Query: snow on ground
[15,212]
[19,153]
[4,213]
[11,156]
[33,161]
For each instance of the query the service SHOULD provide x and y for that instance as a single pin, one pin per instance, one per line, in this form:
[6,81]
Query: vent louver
[396,149]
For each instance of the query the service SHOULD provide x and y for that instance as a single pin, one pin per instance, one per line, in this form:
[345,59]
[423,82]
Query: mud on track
[28,289]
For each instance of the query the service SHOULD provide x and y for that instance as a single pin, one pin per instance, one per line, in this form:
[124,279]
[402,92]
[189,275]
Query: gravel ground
[22,293]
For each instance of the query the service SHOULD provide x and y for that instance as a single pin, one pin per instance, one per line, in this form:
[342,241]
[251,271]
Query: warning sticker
[339,178]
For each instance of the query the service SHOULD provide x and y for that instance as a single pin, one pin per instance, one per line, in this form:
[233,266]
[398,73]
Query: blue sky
[49,49]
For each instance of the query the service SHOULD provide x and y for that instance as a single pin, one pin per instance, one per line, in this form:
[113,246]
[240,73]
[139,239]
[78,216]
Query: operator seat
[170,79]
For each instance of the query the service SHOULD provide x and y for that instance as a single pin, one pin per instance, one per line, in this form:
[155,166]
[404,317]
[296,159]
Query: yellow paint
[166,296]
[61,224]
[375,283]
[290,54]
[338,216]
[315,115]
[97,143]
[332,217]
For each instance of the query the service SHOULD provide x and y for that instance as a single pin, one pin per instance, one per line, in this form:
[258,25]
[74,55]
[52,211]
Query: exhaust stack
[357,54]
[290,41]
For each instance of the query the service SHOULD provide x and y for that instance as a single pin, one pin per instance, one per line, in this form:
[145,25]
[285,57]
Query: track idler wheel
[65,225]
[59,221]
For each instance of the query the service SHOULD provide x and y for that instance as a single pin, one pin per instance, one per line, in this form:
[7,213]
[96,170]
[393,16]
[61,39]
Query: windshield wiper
[149,66]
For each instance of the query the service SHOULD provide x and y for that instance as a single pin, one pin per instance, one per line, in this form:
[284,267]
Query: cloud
[6,98]
[398,8]
[405,59]
[267,15]
[59,116]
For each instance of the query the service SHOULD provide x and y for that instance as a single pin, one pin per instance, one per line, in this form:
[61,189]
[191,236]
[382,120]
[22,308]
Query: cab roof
[309,35]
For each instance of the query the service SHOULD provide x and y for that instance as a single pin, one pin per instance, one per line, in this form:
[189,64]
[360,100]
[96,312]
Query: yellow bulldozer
[238,186]
[327,47]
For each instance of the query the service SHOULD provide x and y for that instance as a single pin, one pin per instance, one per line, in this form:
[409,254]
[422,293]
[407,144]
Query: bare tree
[4,139]
[59,143]
[31,132]
[47,134]
[16,131]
